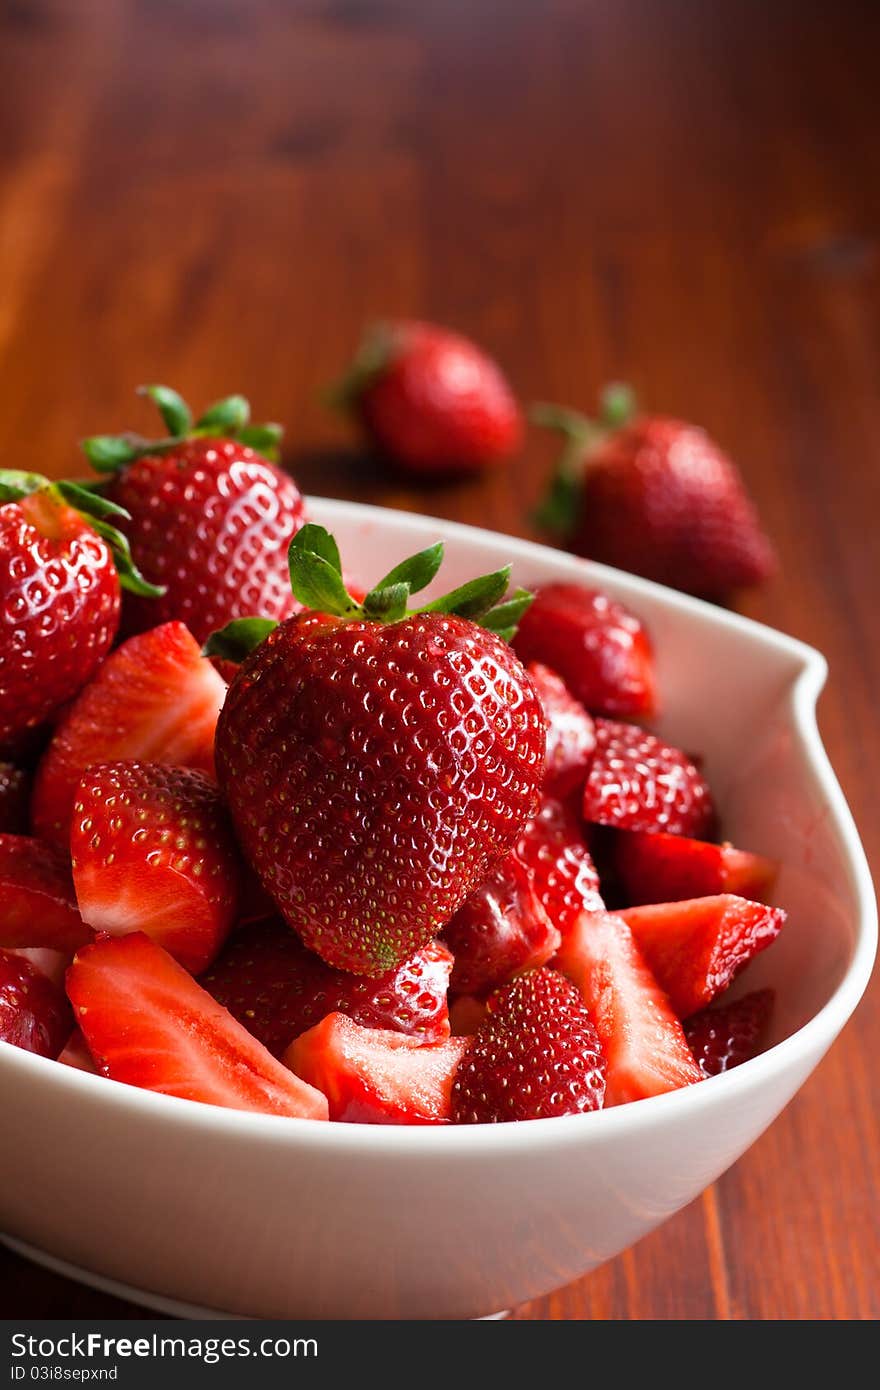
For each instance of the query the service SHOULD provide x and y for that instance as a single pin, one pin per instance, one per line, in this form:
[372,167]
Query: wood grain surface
[686,195]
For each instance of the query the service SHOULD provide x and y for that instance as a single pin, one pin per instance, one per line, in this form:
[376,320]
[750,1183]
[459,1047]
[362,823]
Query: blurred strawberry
[500,930]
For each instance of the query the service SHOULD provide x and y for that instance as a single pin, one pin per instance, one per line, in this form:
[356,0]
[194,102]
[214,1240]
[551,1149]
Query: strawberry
[696,948]
[730,1034]
[596,645]
[153,852]
[59,595]
[656,497]
[146,1022]
[466,1013]
[642,1039]
[378,762]
[500,930]
[37,900]
[377,1077]
[277,989]
[15,795]
[209,518]
[536,1054]
[155,699]
[430,400]
[76,1054]
[552,848]
[34,1013]
[667,868]
[571,736]
[638,782]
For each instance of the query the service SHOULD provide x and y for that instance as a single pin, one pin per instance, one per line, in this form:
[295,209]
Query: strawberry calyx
[558,510]
[317,582]
[228,418]
[377,348]
[95,509]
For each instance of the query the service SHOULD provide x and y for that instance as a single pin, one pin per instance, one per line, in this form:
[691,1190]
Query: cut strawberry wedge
[730,1034]
[155,699]
[372,1076]
[695,948]
[37,902]
[34,1013]
[146,1022]
[643,1041]
[670,868]
[76,1053]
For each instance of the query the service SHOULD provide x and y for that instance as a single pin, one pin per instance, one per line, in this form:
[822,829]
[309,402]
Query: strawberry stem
[372,357]
[558,510]
[228,418]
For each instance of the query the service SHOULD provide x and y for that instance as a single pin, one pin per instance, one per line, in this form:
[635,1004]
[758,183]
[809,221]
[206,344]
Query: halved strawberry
[277,989]
[15,793]
[34,1013]
[643,1041]
[37,901]
[571,735]
[146,1022]
[500,930]
[374,1076]
[76,1053]
[153,851]
[156,699]
[638,782]
[695,948]
[668,868]
[552,848]
[729,1034]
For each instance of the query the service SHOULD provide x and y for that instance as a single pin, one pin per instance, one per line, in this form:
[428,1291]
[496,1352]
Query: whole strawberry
[656,497]
[210,518]
[378,761]
[430,400]
[59,594]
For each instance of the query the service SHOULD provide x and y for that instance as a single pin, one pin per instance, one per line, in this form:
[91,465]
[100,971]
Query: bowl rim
[814,1036]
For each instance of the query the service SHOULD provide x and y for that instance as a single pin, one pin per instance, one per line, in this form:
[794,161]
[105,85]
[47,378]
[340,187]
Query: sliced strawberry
[669,868]
[552,848]
[156,699]
[277,989]
[571,734]
[729,1034]
[34,1013]
[500,930]
[598,647]
[374,1076]
[153,851]
[146,1022]
[76,1053]
[37,901]
[638,782]
[536,1054]
[15,792]
[695,948]
[643,1041]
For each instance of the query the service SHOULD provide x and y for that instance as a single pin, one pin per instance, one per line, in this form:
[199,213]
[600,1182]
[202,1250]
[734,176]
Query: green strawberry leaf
[130,577]
[226,417]
[174,410]
[266,439]
[417,571]
[318,585]
[473,599]
[239,638]
[617,405]
[319,541]
[108,452]
[504,618]
[88,502]
[15,484]
[370,360]
[387,603]
[557,510]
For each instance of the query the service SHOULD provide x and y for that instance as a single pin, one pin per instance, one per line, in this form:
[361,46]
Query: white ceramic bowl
[272,1217]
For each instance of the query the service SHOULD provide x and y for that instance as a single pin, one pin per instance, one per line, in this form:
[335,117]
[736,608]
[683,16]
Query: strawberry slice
[34,1013]
[148,1023]
[500,930]
[643,1041]
[155,699]
[153,851]
[374,1076]
[670,868]
[695,948]
[552,848]
[76,1053]
[277,989]
[571,734]
[638,782]
[15,791]
[37,901]
[729,1034]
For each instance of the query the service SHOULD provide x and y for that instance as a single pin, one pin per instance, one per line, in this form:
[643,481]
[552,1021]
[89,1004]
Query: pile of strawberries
[272,842]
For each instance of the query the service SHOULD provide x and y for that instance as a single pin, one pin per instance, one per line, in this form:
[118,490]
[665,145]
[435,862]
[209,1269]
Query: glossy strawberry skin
[598,647]
[729,1034]
[536,1054]
[277,989]
[500,930]
[15,795]
[638,782]
[376,773]
[34,1013]
[661,868]
[155,699]
[571,734]
[37,900]
[552,848]
[59,609]
[211,520]
[439,404]
[153,852]
[661,500]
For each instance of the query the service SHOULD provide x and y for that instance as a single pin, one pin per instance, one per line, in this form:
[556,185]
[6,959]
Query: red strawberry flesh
[37,900]
[658,868]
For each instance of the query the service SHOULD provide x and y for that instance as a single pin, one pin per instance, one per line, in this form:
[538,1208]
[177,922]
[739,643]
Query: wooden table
[218,193]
